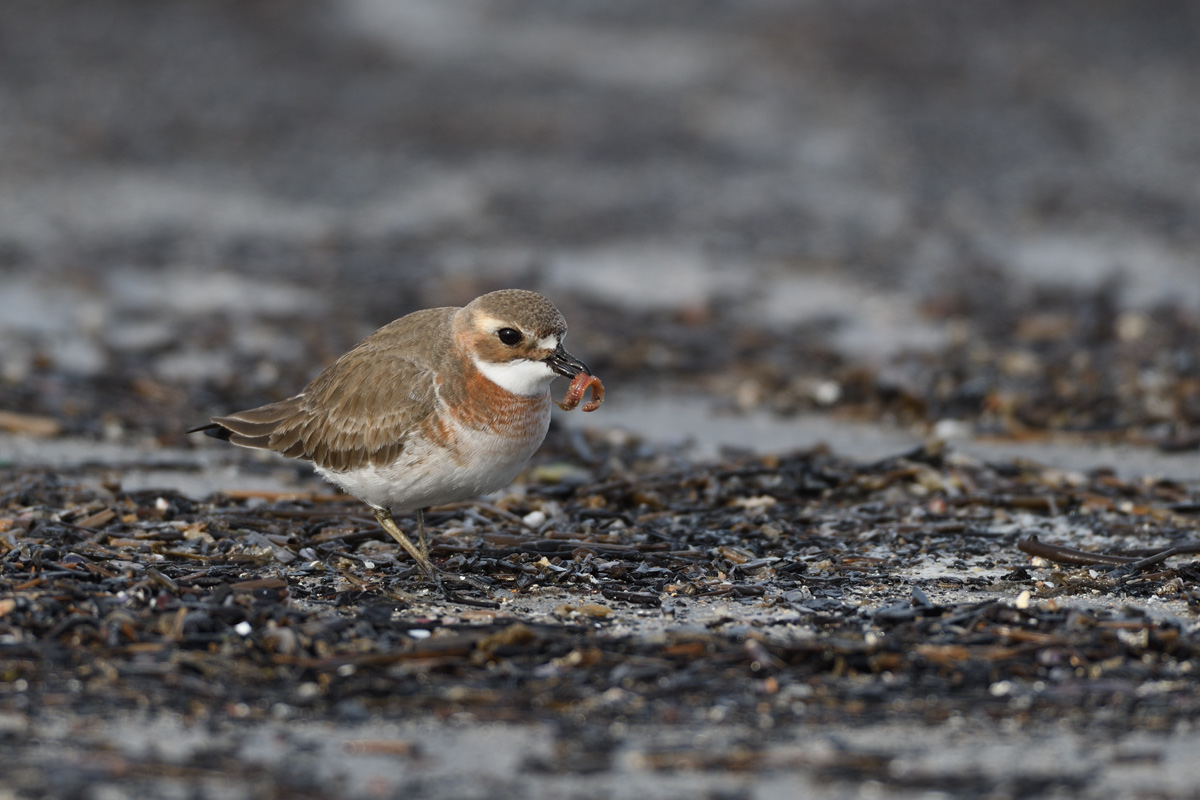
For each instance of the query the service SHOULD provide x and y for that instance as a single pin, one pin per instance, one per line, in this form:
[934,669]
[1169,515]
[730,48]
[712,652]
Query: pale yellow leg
[421,539]
[420,556]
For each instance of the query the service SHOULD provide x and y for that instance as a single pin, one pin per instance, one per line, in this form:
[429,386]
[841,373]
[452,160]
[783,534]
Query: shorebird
[438,406]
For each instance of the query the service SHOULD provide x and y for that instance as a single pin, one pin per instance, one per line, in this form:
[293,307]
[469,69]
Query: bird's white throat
[521,377]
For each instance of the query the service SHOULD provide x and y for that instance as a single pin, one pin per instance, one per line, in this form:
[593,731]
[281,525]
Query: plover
[438,406]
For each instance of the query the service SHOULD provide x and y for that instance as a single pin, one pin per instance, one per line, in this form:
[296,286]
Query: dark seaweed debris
[245,606]
[1015,365]
[1018,365]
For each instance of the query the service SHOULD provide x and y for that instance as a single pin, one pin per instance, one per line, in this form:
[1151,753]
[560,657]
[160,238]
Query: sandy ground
[205,202]
[467,759]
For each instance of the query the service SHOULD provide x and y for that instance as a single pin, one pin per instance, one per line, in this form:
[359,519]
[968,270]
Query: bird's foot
[420,556]
[441,577]
[444,581]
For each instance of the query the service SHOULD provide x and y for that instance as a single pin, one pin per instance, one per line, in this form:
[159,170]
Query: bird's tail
[252,428]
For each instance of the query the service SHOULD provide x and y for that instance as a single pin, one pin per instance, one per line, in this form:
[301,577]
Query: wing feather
[362,409]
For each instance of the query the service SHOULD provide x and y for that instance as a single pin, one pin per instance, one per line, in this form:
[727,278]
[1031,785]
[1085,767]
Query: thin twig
[1066,555]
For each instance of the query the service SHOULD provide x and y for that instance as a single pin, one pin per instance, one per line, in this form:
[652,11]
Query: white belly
[429,475]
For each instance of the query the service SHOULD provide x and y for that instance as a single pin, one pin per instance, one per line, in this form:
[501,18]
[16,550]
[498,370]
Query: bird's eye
[509,336]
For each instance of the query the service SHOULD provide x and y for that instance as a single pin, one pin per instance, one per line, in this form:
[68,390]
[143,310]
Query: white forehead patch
[551,342]
[520,376]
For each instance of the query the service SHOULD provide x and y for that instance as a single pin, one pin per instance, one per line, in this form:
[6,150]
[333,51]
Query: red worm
[575,391]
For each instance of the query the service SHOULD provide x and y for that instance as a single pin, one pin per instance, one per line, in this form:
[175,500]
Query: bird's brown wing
[358,412]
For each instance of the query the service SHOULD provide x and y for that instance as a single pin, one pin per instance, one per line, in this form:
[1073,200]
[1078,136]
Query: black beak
[566,364]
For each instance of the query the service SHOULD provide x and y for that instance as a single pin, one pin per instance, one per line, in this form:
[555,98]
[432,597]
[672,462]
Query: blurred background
[971,219]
